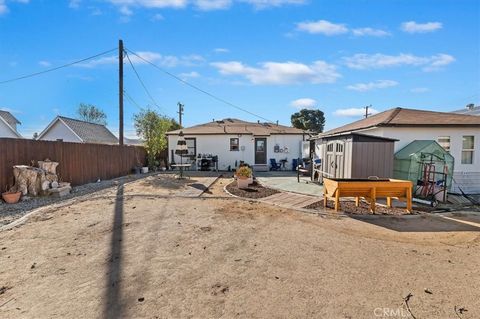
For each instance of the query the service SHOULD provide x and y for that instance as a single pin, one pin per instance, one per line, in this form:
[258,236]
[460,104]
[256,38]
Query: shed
[355,155]
[409,161]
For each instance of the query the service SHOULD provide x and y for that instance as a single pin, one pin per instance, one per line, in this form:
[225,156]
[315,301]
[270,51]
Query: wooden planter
[11,198]
[334,188]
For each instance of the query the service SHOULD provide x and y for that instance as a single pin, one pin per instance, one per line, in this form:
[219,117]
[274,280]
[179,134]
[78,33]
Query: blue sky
[270,57]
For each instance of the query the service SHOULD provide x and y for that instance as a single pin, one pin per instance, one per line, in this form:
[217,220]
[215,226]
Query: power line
[199,89]
[131,100]
[56,68]
[141,82]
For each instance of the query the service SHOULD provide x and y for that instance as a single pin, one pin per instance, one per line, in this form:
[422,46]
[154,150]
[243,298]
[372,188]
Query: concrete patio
[287,181]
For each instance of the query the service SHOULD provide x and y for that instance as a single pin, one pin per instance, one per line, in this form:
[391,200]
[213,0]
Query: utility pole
[120,91]
[180,113]
[366,110]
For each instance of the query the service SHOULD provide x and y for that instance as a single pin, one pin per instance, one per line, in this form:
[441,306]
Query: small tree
[312,120]
[92,114]
[151,127]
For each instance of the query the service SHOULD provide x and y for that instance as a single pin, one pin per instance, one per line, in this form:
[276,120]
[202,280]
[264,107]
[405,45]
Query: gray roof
[473,111]
[90,132]
[235,126]
[9,118]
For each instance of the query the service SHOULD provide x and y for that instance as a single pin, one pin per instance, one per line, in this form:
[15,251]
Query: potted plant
[11,195]
[244,176]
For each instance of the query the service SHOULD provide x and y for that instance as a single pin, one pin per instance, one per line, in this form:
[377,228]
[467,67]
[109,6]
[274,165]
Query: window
[234,144]
[467,149]
[330,147]
[339,148]
[192,146]
[444,142]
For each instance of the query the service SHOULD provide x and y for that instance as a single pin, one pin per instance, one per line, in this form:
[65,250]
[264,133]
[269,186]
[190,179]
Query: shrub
[244,171]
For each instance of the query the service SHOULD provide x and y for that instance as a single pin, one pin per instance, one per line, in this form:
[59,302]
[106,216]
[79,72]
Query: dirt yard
[140,252]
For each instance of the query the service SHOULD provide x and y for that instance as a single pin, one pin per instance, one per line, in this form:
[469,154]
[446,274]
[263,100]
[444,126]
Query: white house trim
[11,128]
[52,123]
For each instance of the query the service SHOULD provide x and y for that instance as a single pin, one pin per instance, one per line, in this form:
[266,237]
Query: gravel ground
[349,207]
[254,190]
[11,212]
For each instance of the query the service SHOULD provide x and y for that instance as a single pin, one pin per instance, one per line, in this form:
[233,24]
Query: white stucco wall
[466,175]
[60,131]
[220,145]
[5,131]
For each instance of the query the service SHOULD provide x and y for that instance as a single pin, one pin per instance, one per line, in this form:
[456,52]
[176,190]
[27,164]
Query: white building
[459,134]
[76,131]
[235,141]
[8,125]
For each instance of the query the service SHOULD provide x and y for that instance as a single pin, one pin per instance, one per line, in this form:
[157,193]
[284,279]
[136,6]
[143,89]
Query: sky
[268,57]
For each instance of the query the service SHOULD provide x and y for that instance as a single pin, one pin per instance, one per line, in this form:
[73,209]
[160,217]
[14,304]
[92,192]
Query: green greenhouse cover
[409,161]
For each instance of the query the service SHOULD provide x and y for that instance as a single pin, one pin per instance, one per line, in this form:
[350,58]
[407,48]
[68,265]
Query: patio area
[287,181]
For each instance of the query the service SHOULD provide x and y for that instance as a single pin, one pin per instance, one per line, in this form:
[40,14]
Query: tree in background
[311,120]
[151,128]
[92,114]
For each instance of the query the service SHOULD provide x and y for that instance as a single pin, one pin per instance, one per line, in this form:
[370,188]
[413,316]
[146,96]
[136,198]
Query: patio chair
[274,166]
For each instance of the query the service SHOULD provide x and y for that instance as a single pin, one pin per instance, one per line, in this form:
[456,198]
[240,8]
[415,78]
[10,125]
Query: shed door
[260,151]
[334,163]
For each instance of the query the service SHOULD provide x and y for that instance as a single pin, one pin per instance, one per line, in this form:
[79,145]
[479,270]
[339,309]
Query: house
[77,131]
[8,125]
[234,141]
[470,109]
[458,134]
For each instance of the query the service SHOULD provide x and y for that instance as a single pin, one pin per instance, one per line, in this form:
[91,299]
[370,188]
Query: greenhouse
[424,162]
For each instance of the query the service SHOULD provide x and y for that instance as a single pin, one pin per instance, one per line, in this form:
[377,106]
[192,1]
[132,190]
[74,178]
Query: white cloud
[354,112]
[157,17]
[360,32]
[437,62]
[125,10]
[322,27]
[263,4]
[207,5]
[414,27]
[74,4]
[4,8]
[278,73]
[154,57]
[221,50]
[45,63]
[304,103]
[363,61]
[380,84]
[189,75]
[419,90]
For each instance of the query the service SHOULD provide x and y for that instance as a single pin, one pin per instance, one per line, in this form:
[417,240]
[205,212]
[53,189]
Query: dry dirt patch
[148,257]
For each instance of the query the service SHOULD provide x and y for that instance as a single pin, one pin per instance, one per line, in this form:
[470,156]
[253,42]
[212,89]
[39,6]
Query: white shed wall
[5,131]
[60,131]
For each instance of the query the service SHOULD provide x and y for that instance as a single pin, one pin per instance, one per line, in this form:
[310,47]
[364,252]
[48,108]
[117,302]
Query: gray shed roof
[9,118]
[87,132]
[90,132]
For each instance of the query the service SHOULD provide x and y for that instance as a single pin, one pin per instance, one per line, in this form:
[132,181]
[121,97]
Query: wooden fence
[79,163]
